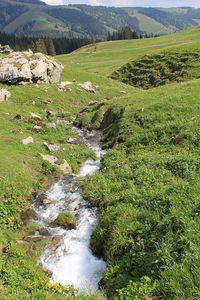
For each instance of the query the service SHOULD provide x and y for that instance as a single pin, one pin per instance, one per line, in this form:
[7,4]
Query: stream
[70,261]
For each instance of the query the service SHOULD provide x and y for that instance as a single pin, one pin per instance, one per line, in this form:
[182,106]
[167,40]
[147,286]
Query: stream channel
[71,261]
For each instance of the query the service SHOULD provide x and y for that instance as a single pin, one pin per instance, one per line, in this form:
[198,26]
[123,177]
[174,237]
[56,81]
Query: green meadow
[147,190]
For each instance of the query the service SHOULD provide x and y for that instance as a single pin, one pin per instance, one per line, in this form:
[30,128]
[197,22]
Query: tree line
[62,45]
[46,45]
[126,33]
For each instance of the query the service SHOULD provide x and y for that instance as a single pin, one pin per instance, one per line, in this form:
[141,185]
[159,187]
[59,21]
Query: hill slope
[36,18]
[148,188]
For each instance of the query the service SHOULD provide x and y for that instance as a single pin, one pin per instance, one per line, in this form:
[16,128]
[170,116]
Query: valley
[147,187]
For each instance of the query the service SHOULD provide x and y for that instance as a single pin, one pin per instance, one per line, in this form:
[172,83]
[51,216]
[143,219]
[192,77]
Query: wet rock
[4,95]
[27,141]
[33,238]
[28,215]
[52,147]
[47,201]
[39,231]
[87,86]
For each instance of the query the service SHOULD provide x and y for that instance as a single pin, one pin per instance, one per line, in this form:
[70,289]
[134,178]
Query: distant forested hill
[34,17]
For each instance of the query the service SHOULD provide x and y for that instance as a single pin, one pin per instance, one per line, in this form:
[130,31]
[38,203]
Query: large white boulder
[26,67]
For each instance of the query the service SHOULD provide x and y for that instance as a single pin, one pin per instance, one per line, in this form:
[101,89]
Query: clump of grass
[66,220]
[160,69]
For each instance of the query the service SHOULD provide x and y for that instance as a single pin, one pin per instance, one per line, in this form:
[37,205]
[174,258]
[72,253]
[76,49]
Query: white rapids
[71,262]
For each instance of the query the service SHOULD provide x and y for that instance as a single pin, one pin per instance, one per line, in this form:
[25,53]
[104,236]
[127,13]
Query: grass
[155,70]
[22,171]
[110,56]
[147,190]
[148,187]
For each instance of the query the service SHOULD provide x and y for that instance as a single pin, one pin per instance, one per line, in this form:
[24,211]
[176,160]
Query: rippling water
[71,260]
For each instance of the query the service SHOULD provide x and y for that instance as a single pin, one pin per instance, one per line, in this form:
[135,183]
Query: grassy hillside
[107,57]
[147,190]
[148,187]
[36,18]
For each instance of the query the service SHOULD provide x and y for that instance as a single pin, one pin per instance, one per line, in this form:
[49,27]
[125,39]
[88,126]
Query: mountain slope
[36,18]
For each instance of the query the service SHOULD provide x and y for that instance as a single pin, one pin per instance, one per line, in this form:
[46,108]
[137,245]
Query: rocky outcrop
[26,67]
[4,95]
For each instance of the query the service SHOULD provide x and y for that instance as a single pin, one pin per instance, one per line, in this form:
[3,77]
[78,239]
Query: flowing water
[71,261]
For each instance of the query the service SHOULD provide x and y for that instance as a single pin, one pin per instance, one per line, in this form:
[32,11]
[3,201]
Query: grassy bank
[22,171]
[148,187]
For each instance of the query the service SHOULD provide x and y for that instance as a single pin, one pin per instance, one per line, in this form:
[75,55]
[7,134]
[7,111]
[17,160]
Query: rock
[35,119]
[48,101]
[33,238]
[19,117]
[87,86]
[5,49]
[28,140]
[47,201]
[64,86]
[93,102]
[37,128]
[72,141]
[28,215]
[26,67]
[50,113]
[65,168]
[52,147]
[4,95]
[51,159]
[51,125]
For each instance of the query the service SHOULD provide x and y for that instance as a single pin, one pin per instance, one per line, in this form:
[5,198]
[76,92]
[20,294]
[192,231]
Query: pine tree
[50,47]
[39,46]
